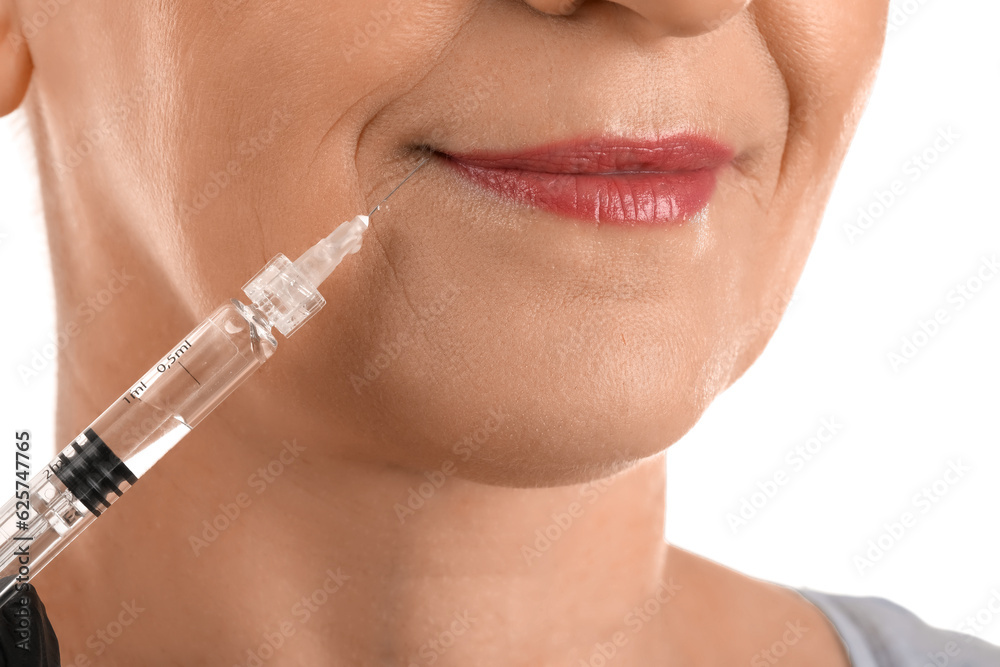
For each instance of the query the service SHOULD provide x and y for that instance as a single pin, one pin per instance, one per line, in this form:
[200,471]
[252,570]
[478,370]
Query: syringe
[81,483]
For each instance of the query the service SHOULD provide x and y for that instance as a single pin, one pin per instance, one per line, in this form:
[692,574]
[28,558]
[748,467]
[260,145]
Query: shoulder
[724,617]
[881,633]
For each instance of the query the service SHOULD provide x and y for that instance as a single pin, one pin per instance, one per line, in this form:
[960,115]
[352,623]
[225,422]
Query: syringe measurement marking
[162,368]
[136,390]
[189,373]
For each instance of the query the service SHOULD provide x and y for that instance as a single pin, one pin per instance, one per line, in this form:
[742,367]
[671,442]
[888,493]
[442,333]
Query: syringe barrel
[197,374]
[130,436]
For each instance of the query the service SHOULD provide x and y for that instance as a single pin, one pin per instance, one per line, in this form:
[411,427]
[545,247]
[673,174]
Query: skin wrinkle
[737,163]
[442,54]
[599,346]
[260,228]
[388,261]
[326,134]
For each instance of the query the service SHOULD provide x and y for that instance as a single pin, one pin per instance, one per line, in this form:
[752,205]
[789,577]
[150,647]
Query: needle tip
[420,164]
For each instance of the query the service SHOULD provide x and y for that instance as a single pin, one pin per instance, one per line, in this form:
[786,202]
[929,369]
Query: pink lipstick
[606,180]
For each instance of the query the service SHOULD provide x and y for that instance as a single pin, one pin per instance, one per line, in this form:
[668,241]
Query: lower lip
[621,183]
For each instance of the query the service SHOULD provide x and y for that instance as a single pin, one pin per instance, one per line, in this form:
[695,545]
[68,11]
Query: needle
[419,165]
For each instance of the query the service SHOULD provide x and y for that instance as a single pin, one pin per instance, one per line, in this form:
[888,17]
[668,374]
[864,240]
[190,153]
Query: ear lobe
[15,61]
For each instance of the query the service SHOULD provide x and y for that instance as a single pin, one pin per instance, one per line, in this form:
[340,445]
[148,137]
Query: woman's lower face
[619,201]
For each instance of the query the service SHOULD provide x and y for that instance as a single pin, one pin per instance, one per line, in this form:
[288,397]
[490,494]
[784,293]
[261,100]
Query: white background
[902,428]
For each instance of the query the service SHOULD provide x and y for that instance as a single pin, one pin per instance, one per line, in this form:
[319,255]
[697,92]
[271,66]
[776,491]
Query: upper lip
[607,155]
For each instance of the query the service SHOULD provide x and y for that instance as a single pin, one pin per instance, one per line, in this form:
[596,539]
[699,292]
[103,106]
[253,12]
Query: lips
[605,180]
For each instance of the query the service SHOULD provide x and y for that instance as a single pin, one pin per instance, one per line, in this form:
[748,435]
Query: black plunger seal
[94,473]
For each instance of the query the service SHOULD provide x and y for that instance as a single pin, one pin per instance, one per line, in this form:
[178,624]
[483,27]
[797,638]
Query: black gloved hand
[26,636]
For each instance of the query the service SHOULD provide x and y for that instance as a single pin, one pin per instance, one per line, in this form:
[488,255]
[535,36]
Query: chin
[547,429]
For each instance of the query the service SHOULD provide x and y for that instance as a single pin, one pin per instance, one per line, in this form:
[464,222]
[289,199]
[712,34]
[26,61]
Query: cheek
[234,127]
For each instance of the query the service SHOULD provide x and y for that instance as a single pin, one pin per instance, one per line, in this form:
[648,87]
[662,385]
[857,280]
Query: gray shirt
[880,633]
